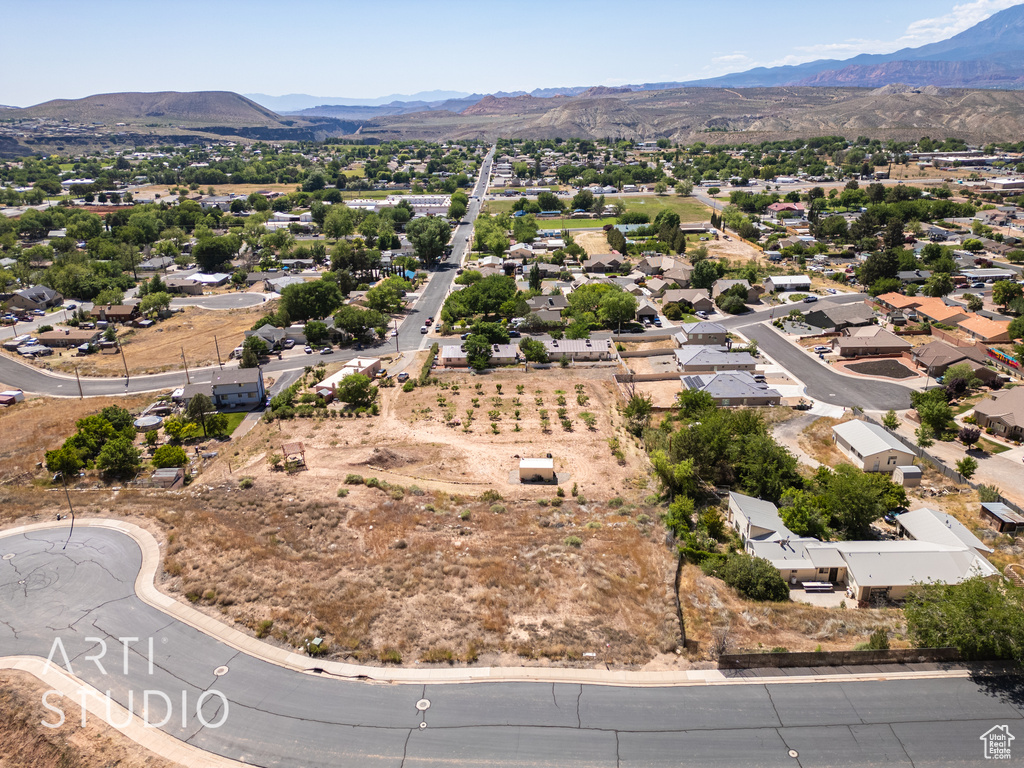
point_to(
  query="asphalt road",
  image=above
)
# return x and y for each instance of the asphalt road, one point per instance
(272, 716)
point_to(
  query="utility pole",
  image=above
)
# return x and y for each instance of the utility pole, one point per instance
(66, 493)
(217, 346)
(188, 379)
(127, 378)
(81, 395)
(397, 351)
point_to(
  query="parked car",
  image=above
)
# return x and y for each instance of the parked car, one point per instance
(822, 348)
(403, 376)
(424, 329)
(393, 333)
(701, 314)
(289, 343)
(326, 351)
(464, 336)
(513, 334)
(657, 321)
(810, 299)
(759, 377)
(430, 320)
(71, 306)
(38, 312)
(307, 349)
(832, 290)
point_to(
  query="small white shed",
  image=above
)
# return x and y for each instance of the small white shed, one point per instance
(536, 470)
(908, 477)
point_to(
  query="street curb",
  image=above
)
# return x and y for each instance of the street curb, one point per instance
(146, 589)
(105, 709)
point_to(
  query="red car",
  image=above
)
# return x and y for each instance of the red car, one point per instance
(430, 321)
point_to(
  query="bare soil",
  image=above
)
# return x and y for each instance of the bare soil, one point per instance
(889, 369)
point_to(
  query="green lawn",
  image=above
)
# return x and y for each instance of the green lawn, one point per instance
(234, 419)
(989, 447)
(688, 208)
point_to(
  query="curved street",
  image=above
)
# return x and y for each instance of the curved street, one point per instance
(274, 716)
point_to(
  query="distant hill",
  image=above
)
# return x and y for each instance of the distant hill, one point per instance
(366, 112)
(298, 102)
(169, 107)
(988, 55)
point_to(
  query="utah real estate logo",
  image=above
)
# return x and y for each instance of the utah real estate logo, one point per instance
(997, 742)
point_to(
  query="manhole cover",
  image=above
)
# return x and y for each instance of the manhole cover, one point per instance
(9, 556)
(220, 671)
(423, 705)
(422, 726)
(794, 753)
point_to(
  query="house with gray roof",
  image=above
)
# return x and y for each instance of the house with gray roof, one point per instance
(709, 359)
(732, 389)
(703, 333)
(870, 447)
(36, 297)
(1003, 413)
(841, 317)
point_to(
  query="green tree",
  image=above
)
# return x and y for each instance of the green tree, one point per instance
(356, 390)
(638, 413)
(385, 297)
(753, 577)
(1006, 291)
(211, 253)
(64, 461)
(577, 329)
(933, 411)
(980, 618)
(314, 300)
(478, 351)
(967, 466)
(315, 332)
(429, 237)
(677, 479)
(974, 303)
(169, 456)
(535, 278)
(890, 420)
(616, 308)
(109, 296)
(705, 273)
(939, 284)
(495, 333)
(153, 302)
(533, 351)
(197, 409)
(119, 457)
(804, 514)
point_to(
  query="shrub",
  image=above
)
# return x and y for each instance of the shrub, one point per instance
(489, 496)
(409, 386)
(169, 456)
(560, 492)
(342, 493)
(573, 541)
(354, 480)
(246, 482)
(390, 655)
(465, 514)
(427, 367)
(498, 509)
(617, 502)
(438, 654)
(263, 628)
(988, 493)
(753, 577)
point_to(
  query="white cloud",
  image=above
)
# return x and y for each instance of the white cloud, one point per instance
(918, 33)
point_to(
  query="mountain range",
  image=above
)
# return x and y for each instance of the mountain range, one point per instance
(988, 55)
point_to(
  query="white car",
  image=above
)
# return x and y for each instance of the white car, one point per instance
(822, 348)
(424, 329)
(393, 334)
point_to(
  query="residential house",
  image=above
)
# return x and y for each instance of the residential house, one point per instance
(898, 302)
(578, 350)
(870, 340)
(780, 283)
(36, 297)
(68, 337)
(732, 389)
(780, 209)
(367, 366)
(927, 524)
(278, 284)
(184, 285)
(603, 263)
(841, 317)
(754, 292)
(230, 388)
(937, 311)
(872, 570)
(452, 356)
(679, 275)
(1003, 413)
(156, 263)
(700, 359)
(558, 302)
(116, 313)
(697, 298)
(704, 333)
(657, 287)
(272, 337)
(914, 276)
(937, 356)
(988, 331)
(644, 308)
(870, 447)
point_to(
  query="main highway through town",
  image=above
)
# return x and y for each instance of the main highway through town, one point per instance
(260, 713)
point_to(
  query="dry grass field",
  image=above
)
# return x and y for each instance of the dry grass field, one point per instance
(158, 349)
(24, 743)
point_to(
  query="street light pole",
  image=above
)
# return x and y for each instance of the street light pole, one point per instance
(217, 346)
(397, 350)
(127, 378)
(188, 379)
(72, 509)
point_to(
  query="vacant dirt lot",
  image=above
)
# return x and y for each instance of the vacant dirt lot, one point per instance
(24, 743)
(593, 243)
(158, 349)
(888, 369)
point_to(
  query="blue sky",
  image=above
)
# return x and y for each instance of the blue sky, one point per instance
(70, 49)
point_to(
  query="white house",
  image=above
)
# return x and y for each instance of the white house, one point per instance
(871, 447)
(779, 283)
